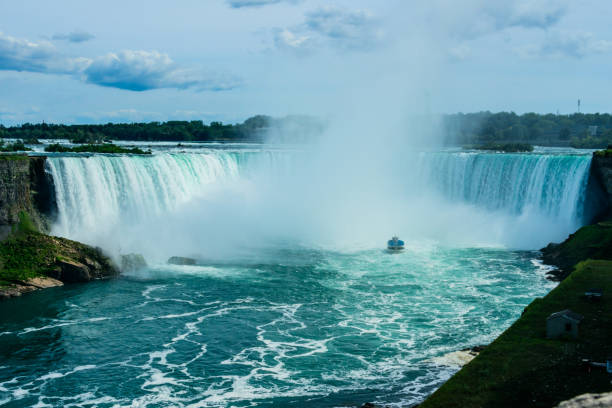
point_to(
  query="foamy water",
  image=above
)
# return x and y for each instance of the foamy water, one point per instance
(313, 328)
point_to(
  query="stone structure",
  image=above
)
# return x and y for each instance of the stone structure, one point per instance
(563, 323)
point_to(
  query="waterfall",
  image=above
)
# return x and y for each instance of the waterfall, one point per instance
(201, 199)
(553, 185)
(108, 190)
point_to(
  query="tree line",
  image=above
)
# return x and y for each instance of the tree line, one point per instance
(251, 129)
(580, 130)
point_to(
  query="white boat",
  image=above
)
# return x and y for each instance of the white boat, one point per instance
(395, 244)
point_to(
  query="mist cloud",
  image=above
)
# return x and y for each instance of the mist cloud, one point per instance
(576, 44)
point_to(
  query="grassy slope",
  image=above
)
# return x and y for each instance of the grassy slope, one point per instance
(27, 253)
(522, 368)
(589, 242)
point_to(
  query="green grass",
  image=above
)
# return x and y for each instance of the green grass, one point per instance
(8, 157)
(604, 153)
(17, 146)
(522, 368)
(26, 255)
(25, 224)
(589, 242)
(94, 148)
(503, 147)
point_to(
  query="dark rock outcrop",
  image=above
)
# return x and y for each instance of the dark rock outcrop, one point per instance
(132, 262)
(72, 271)
(601, 168)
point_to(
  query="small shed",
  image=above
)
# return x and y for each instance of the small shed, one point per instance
(563, 323)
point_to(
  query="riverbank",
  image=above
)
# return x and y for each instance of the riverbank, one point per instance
(522, 368)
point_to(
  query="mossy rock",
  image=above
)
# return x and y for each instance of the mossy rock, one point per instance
(28, 254)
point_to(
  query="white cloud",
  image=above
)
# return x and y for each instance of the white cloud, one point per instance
(131, 70)
(145, 70)
(343, 29)
(22, 55)
(476, 18)
(288, 40)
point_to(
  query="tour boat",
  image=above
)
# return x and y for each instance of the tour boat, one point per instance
(395, 244)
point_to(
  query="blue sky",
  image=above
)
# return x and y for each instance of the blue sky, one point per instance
(75, 61)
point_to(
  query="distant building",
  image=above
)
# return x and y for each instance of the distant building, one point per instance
(563, 323)
(593, 130)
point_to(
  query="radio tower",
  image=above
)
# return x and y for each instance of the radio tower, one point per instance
(578, 105)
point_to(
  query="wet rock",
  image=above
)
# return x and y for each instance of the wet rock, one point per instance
(181, 260)
(132, 262)
(18, 288)
(44, 282)
(73, 271)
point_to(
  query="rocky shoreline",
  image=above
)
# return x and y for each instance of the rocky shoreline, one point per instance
(18, 288)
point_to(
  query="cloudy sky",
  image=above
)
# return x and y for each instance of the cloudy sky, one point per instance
(76, 61)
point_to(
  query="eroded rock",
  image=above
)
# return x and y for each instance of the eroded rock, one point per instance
(588, 401)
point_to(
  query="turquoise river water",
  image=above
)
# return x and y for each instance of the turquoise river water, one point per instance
(298, 315)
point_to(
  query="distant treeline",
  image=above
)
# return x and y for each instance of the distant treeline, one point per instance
(253, 129)
(483, 128)
(581, 130)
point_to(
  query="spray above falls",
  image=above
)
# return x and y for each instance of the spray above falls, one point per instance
(201, 203)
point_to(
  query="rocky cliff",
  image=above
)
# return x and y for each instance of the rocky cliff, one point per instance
(30, 259)
(602, 171)
(24, 187)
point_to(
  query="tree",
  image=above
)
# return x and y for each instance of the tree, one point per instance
(564, 134)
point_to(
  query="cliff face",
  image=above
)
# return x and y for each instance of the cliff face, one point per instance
(23, 188)
(602, 170)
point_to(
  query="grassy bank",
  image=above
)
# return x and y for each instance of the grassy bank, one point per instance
(522, 368)
(95, 148)
(589, 242)
(503, 147)
(28, 254)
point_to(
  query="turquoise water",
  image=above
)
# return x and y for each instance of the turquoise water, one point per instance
(302, 328)
(293, 303)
